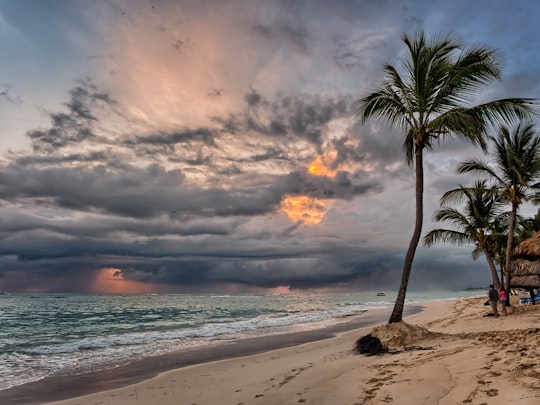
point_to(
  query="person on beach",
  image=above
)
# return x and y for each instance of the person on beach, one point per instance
(502, 298)
(493, 297)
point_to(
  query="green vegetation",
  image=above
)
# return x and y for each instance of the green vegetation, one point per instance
(479, 222)
(427, 99)
(515, 171)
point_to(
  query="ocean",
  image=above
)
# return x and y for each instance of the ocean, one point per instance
(44, 335)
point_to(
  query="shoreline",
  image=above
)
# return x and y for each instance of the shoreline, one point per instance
(460, 355)
(60, 388)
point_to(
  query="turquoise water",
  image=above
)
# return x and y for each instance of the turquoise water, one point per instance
(49, 334)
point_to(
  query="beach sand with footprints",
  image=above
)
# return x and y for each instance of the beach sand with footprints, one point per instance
(452, 353)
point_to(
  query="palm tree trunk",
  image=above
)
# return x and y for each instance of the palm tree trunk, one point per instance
(491, 264)
(397, 313)
(509, 243)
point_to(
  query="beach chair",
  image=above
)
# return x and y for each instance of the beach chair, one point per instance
(528, 300)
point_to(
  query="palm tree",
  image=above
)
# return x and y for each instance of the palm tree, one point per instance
(498, 241)
(477, 222)
(528, 227)
(516, 171)
(428, 101)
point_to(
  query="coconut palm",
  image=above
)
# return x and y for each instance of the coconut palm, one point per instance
(516, 171)
(528, 227)
(498, 241)
(429, 101)
(476, 223)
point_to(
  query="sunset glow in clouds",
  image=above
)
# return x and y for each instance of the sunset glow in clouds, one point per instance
(112, 281)
(200, 146)
(307, 209)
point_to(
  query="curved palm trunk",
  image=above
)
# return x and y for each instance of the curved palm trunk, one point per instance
(509, 243)
(397, 313)
(491, 264)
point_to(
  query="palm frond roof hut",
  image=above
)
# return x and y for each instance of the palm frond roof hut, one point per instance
(525, 266)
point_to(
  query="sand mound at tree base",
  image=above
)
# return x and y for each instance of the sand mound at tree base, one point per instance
(400, 334)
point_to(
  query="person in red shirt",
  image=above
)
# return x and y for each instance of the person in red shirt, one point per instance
(502, 298)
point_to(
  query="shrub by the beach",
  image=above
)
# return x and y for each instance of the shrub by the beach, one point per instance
(369, 345)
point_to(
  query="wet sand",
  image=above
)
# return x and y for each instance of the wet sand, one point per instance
(66, 387)
(449, 354)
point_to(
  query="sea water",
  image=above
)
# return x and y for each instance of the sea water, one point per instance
(43, 335)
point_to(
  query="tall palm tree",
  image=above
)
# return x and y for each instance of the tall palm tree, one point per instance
(476, 223)
(516, 171)
(528, 227)
(428, 100)
(498, 241)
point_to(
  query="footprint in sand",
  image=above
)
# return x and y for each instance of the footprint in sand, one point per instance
(374, 381)
(492, 392)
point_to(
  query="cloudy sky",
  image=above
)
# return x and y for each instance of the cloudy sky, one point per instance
(210, 146)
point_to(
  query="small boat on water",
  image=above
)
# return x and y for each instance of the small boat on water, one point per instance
(381, 294)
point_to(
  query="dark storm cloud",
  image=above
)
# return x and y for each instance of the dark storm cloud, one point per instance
(95, 226)
(322, 187)
(300, 116)
(164, 261)
(81, 98)
(307, 115)
(301, 273)
(93, 156)
(75, 126)
(203, 135)
(270, 153)
(114, 185)
(348, 152)
(384, 144)
(253, 98)
(296, 117)
(142, 193)
(67, 130)
(304, 269)
(151, 186)
(187, 272)
(153, 191)
(155, 226)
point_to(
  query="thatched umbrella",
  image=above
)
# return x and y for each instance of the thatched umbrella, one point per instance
(525, 266)
(529, 248)
(525, 274)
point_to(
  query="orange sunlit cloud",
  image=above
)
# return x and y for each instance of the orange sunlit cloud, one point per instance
(112, 281)
(302, 208)
(307, 209)
(282, 289)
(319, 166)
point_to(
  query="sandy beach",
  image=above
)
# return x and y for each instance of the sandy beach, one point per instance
(451, 353)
